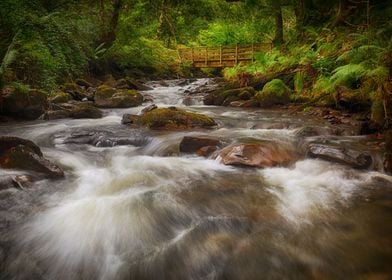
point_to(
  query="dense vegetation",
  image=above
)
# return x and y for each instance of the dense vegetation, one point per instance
(332, 53)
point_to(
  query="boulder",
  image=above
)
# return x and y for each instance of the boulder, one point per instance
(149, 108)
(206, 151)
(24, 103)
(8, 142)
(108, 97)
(225, 97)
(75, 111)
(74, 90)
(340, 155)
(273, 93)
(60, 97)
(169, 118)
(55, 115)
(22, 157)
(137, 85)
(127, 83)
(85, 112)
(260, 154)
(192, 144)
(83, 83)
(23, 154)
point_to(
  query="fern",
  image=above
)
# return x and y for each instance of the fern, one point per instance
(347, 75)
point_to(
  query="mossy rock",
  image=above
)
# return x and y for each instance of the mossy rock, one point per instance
(83, 83)
(377, 112)
(172, 118)
(108, 97)
(221, 96)
(26, 158)
(60, 97)
(71, 87)
(25, 103)
(85, 112)
(273, 93)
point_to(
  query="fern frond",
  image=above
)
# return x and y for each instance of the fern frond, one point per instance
(347, 74)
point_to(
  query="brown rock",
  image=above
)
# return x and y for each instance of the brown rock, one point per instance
(169, 118)
(206, 151)
(191, 144)
(23, 157)
(262, 154)
(8, 142)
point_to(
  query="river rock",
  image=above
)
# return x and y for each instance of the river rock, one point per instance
(23, 154)
(75, 111)
(60, 97)
(105, 139)
(169, 118)
(83, 83)
(192, 144)
(74, 90)
(273, 93)
(24, 103)
(225, 97)
(262, 154)
(83, 111)
(340, 155)
(107, 97)
(149, 108)
(8, 142)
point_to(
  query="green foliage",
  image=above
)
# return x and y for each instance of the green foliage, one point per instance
(143, 53)
(347, 75)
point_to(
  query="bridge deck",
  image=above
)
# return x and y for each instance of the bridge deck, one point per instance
(223, 56)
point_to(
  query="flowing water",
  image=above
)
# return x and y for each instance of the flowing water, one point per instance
(133, 207)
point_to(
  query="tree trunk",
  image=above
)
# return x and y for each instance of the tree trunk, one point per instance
(342, 12)
(277, 10)
(110, 36)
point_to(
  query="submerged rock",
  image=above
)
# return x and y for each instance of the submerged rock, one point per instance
(169, 118)
(192, 144)
(107, 97)
(274, 92)
(261, 154)
(340, 155)
(23, 154)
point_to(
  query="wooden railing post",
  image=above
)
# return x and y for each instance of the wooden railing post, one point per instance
(206, 56)
(220, 55)
(236, 54)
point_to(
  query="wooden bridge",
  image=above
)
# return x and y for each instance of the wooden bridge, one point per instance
(222, 56)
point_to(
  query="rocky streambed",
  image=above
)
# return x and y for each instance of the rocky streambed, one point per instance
(177, 188)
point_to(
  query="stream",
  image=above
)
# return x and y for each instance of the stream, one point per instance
(133, 207)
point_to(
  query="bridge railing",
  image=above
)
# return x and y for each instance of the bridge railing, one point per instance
(223, 55)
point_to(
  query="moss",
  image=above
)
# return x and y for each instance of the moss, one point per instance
(60, 97)
(70, 87)
(274, 92)
(173, 118)
(378, 114)
(104, 91)
(86, 112)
